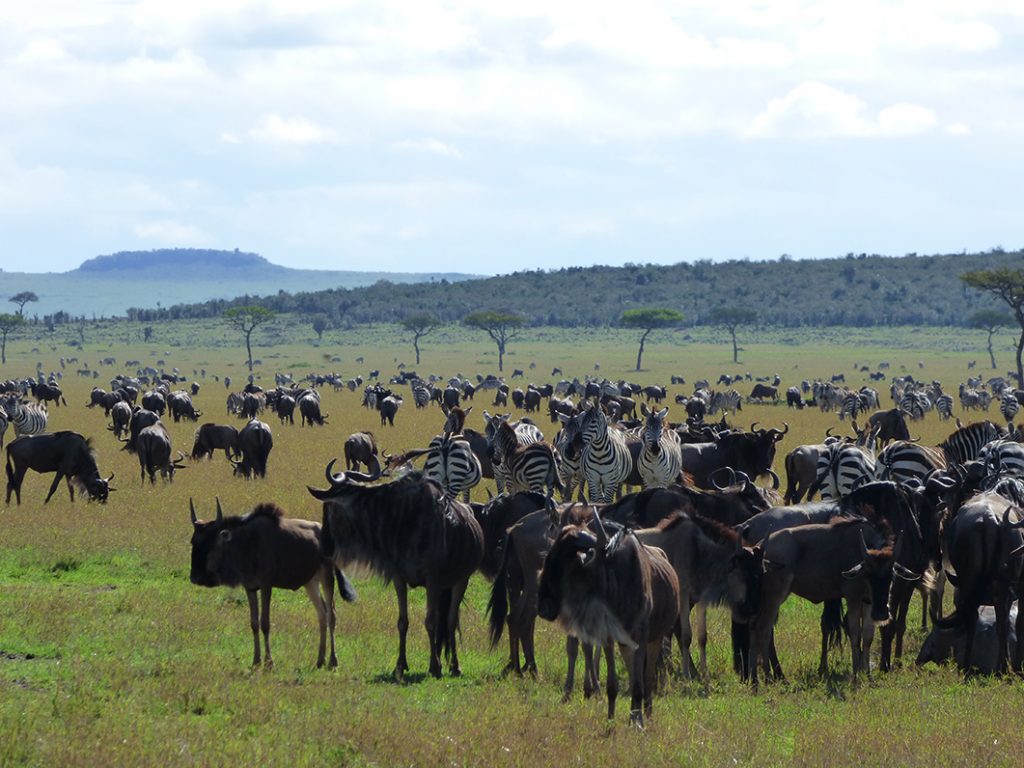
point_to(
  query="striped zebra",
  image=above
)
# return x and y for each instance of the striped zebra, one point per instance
(452, 464)
(916, 404)
(730, 400)
(841, 468)
(661, 459)
(531, 467)
(1008, 405)
(903, 460)
(851, 405)
(606, 462)
(966, 443)
(944, 406)
(1004, 457)
(569, 449)
(420, 394)
(3, 426)
(526, 433)
(26, 418)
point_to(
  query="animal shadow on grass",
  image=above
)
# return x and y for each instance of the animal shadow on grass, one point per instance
(836, 683)
(409, 678)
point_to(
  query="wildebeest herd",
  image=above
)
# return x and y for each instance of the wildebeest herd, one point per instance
(562, 540)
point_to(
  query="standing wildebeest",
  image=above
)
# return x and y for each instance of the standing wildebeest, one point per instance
(309, 409)
(794, 398)
(120, 417)
(762, 391)
(180, 405)
(67, 453)
(286, 408)
(612, 591)
(890, 425)
(263, 550)
(255, 442)
(212, 437)
(44, 392)
(388, 407)
(751, 453)
(802, 468)
(141, 419)
(154, 448)
(405, 532)
(361, 448)
(154, 401)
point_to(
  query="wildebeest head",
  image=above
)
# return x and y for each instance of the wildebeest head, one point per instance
(877, 566)
(576, 549)
(98, 487)
(208, 539)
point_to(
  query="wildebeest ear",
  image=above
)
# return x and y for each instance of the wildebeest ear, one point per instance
(192, 511)
(467, 411)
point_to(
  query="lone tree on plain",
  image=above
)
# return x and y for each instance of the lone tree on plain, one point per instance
(501, 326)
(23, 298)
(649, 319)
(8, 323)
(320, 325)
(731, 318)
(1007, 285)
(990, 320)
(247, 319)
(420, 325)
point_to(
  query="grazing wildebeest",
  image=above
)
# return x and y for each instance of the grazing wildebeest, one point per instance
(309, 410)
(212, 437)
(67, 453)
(154, 448)
(181, 407)
(263, 550)
(606, 591)
(405, 532)
(154, 401)
(120, 417)
(943, 644)
(361, 448)
(255, 442)
(794, 399)
(762, 391)
(141, 418)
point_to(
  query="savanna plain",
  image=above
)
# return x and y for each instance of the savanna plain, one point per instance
(109, 656)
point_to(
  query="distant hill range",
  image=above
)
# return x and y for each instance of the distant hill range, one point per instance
(854, 290)
(109, 285)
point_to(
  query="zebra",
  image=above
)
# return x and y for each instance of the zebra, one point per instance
(851, 406)
(660, 460)
(966, 443)
(531, 467)
(452, 464)
(903, 460)
(27, 418)
(730, 400)
(421, 394)
(1004, 457)
(606, 462)
(841, 468)
(944, 406)
(526, 432)
(916, 404)
(1008, 405)
(569, 452)
(3, 425)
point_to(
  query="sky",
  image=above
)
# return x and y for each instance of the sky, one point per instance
(487, 137)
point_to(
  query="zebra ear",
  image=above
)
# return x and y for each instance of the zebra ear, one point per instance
(663, 412)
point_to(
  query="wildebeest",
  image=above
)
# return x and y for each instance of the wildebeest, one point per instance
(890, 425)
(67, 453)
(141, 419)
(749, 452)
(181, 407)
(388, 408)
(286, 408)
(794, 398)
(47, 392)
(255, 442)
(153, 446)
(943, 644)
(361, 448)
(263, 550)
(612, 590)
(405, 532)
(154, 401)
(211, 437)
(762, 391)
(309, 410)
(120, 417)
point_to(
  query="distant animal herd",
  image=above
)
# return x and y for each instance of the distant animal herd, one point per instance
(560, 539)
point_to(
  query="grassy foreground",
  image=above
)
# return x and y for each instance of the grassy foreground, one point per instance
(108, 656)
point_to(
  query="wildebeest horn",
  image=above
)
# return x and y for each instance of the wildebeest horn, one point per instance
(753, 427)
(863, 545)
(732, 477)
(602, 534)
(110, 478)
(828, 432)
(490, 496)
(775, 479)
(331, 477)
(904, 573)
(192, 510)
(1006, 519)
(220, 512)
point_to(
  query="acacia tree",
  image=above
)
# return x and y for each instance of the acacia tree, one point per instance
(8, 323)
(23, 298)
(320, 324)
(247, 319)
(1008, 286)
(649, 319)
(419, 325)
(731, 318)
(501, 326)
(990, 320)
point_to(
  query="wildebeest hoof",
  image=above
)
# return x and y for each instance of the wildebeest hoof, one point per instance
(333, 664)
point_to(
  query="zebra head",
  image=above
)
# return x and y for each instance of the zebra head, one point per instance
(568, 442)
(654, 428)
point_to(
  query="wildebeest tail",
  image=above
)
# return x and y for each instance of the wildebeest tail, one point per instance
(790, 497)
(497, 606)
(832, 623)
(345, 588)
(442, 638)
(10, 468)
(741, 648)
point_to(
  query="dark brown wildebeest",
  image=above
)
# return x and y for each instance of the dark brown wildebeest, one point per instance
(255, 442)
(845, 558)
(309, 410)
(361, 448)
(751, 453)
(606, 591)
(154, 401)
(141, 418)
(890, 425)
(45, 392)
(180, 405)
(802, 468)
(213, 437)
(763, 391)
(286, 408)
(531, 400)
(388, 407)
(405, 532)
(154, 449)
(943, 644)
(67, 453)
(263, 550)
(120, 417)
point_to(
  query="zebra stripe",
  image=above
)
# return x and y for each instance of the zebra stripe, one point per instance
(3, 426)
(841, 468)
(966, 443)
(452, 464)
(606, 460)
(661, 459)
(532, 467)
(1008, 405)
(903, 460)
(569, 465)
(27, 419)
(526, 433)
(944, 406)
(421, 395)
(1004, 457)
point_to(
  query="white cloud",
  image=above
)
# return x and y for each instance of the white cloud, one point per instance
(288, 130)
(816, 110)
(958, 129)
(427, 145)
(169, 232)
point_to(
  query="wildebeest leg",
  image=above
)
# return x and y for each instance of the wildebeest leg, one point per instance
(402, 593)
(433, 623)
(613, 679)
(854, 623)
(686, 635)
(313, 592)
(254, 624)
(332, 618)
(572, 649)
(1002, 606)
(53, 487)
(265, 593)
(773, 659)
(634, 661)
(650, 676)
(457, 591)
(1018, 651)
(924, 608)
(867, 635)
(702, 638)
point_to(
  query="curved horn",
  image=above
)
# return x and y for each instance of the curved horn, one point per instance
(775, 479)
(192, 510)
(863, 545)
(902, 572)
(753, 426)
(1006, 519)
(220, 512)
(110, 478)
(828, 432)
(602, 534)
(713, 475)
(331, 477)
